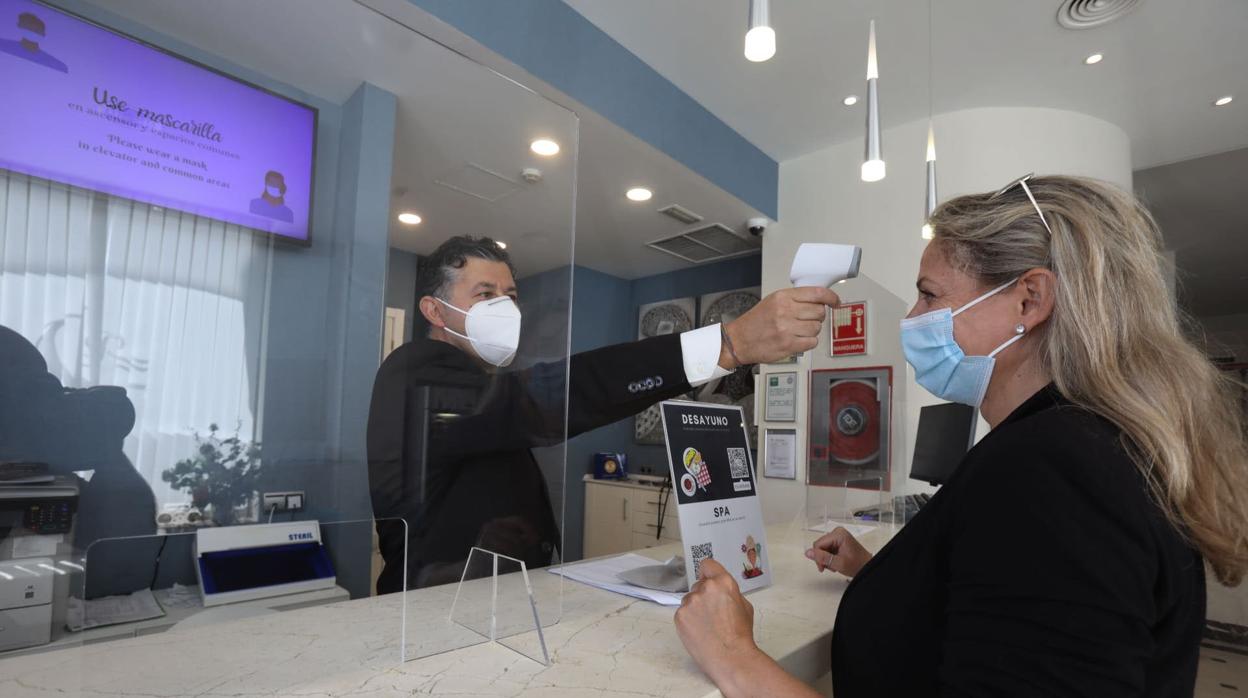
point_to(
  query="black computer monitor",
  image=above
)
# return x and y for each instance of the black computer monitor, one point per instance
(946, 432)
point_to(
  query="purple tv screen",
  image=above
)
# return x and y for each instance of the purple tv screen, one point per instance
(95, 109)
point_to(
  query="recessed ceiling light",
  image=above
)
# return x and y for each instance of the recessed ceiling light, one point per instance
(1094, 59)
(501, 244)
(639, 194)
(1223, 101)
(544, 147)
(850, 100)
(409, 218)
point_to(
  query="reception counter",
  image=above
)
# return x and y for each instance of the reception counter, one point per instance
(604, 645)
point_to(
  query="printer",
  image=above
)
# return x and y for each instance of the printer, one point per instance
(257, 561)
(37, 518)
(36, 514)
(26, 588)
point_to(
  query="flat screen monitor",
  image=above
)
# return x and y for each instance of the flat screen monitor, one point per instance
(946, 432)
(93, 108)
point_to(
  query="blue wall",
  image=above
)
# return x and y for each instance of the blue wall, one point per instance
(604, 312)
(556, 44)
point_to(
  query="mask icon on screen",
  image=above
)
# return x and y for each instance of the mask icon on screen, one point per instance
(272, 200)
(29, 44)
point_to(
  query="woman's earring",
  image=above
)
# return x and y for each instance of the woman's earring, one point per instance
(1019, 329)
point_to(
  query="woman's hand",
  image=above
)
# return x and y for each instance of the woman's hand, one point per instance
(716, 623)
(840, 552)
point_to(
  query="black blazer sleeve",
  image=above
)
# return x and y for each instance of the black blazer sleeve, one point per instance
(618, 381)
(526, 409)
(1051, 576)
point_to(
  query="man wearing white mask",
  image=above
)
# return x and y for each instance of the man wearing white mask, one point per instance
(450, 433)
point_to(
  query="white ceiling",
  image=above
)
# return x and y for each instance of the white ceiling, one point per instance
(1200, 206)
(453, 112)
(1165, 63)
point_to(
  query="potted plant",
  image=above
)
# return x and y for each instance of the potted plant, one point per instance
(223, 474)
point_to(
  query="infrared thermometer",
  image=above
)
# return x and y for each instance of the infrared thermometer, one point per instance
(824, 264)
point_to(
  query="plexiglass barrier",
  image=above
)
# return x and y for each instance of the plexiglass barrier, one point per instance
(466, 441)
(170, 371)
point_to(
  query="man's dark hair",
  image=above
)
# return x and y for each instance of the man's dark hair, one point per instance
(437, 271)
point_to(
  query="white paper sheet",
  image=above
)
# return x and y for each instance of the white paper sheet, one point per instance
(604, 574)
(180, 596)
(111, 610)
(36, 546)
(856, 530)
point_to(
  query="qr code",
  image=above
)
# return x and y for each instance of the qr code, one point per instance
(737, 463)
(701, 551)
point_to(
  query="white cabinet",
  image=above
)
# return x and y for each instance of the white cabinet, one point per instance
(621, 515)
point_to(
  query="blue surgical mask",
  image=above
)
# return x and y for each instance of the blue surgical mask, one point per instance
(275, 192)
(939, 363)
(31, 36)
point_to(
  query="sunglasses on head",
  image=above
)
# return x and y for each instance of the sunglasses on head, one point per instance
(1022, 182)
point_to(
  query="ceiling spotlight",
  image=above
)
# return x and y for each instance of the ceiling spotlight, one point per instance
(926, 231)
(850, 100)
(639, 194)
(1223, 101)
(501, 244)
(544, 147)
(1094, 59)
(409, 218)
(760, 40)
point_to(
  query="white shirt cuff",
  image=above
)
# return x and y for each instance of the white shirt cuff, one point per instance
(700, 350)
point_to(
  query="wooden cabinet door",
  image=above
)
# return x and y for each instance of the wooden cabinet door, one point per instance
(608, 520)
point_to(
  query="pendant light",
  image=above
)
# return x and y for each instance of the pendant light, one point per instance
(931, 181)
(931, 138)
(873, 159)
(760, 39)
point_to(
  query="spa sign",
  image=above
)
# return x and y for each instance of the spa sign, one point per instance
(716, 492)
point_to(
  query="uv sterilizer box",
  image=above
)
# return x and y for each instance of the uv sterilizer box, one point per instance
(244, 563)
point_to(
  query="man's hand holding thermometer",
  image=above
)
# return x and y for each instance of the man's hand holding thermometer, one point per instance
(789, 321)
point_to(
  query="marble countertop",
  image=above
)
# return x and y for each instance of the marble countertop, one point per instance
(603, 645)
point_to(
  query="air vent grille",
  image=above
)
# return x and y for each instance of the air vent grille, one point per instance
(712, 242)
(721, 239)
(1085, 14)
(681, 214)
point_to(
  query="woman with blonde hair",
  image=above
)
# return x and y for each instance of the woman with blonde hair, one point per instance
(1067, 554)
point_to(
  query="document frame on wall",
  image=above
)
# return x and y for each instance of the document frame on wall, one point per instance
(850, 432)
(780, 396)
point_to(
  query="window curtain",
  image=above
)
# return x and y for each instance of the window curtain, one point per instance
(168, 305)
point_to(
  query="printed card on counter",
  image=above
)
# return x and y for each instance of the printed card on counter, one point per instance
(716, 492)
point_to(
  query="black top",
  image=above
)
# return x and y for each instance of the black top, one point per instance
(449, 447)
(1043, 568)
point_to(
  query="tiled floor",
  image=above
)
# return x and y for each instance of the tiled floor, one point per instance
(1221, 674)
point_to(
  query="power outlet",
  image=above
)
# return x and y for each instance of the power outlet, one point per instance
(279, 502)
